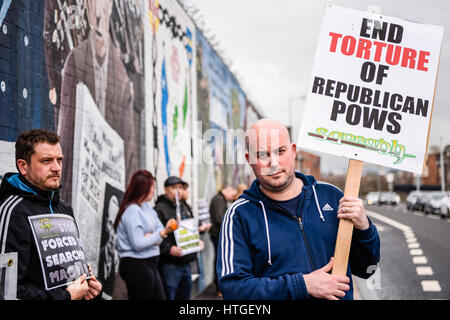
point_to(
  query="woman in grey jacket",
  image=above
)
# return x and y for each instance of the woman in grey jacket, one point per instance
(139, 234)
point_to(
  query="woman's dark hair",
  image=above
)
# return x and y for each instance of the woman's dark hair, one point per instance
(140, 185)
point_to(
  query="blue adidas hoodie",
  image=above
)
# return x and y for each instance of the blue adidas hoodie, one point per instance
(264, 251)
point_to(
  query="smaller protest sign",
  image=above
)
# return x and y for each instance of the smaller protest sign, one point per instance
(187, 236)
(203, 211)
(8, 276)
(59, 246)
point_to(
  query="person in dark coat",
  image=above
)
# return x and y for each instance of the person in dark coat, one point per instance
(35, 191)
(217, 209)
(174, 267)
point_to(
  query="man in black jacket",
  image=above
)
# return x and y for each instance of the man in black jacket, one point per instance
(174, 266)
(35, 191)
(217, 209)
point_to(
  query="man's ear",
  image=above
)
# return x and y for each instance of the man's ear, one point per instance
(294, 149)
(23, 167)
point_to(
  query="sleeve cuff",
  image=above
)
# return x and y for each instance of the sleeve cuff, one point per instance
(299, 286)
(67, 295)
(366, 234)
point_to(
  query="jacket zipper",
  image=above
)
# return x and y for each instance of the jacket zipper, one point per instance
(300, 223)
(306, 244)
(305, 238)
(50, 203)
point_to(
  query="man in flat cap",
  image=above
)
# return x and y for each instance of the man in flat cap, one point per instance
(174, 267)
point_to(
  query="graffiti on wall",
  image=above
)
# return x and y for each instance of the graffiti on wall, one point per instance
(170, 75)
(98, 44)
(221, 106)
(120, 81)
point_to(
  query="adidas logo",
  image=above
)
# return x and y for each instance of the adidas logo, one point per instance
(327, 207)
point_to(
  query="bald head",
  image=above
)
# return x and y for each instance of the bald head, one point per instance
(269, 124)
(265, 131)
(271, 154)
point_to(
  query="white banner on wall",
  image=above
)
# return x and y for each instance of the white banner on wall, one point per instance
(99, 161)
(7, 158)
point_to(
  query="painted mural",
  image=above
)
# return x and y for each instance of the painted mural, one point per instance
(124, 84)
(169, 81)
(221, 107)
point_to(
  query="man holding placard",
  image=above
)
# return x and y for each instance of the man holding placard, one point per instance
(40, 227)
(179, 249)
(277, 240)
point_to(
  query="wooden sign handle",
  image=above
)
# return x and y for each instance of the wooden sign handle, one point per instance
(345, 231)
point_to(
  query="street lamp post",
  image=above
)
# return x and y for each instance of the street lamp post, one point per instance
(442, 166)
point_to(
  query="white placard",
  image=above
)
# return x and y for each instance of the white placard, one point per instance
(372, 89)
(187, 236)
(8, 275)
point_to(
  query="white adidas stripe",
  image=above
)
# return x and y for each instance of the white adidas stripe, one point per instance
(227, 237)
(224, 242)
(4, 223)
(4, 208)
(326, 183)
(231, 268)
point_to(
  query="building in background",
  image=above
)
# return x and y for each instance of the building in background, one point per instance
(308, 163)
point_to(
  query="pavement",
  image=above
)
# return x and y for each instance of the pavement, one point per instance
(208, 294)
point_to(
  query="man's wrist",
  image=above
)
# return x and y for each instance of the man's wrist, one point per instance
(68, 294)
(364, 226)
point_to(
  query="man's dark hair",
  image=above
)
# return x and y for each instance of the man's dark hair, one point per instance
(27, 140)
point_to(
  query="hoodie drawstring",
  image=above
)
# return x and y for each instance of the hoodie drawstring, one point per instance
(317, 204)
(267, 232)
(267, 224)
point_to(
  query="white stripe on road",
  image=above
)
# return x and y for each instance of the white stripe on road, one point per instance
(424, 271)
(413, 245)
(431, 286)
(389, 221)
(380, 228)
(409, 234)
(420, 260)
(416, 252)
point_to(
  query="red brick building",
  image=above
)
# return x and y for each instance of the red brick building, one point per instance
(308, 163)
(432, 174)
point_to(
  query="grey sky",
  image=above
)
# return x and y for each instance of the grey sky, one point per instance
(271, 45)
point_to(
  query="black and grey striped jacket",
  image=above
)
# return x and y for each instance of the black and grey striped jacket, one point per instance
(18, 200)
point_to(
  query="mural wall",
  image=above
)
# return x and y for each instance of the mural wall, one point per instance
(124, 83)
(221, 107)
(170, 65)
